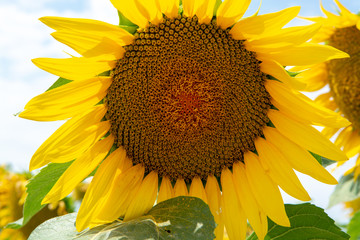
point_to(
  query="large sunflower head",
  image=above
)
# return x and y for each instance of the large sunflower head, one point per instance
(193, 100)
(342, 76)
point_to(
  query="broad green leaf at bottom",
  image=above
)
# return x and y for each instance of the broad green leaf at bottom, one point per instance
(307, 222)
(177, 218)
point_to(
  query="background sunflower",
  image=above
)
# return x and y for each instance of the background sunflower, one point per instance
(341, 77)
(12, 197)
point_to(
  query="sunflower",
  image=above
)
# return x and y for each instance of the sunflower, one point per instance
(195, 100)
(12, 198)
(342, 76)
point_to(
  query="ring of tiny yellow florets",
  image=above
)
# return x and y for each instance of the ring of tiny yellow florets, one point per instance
(187, 99)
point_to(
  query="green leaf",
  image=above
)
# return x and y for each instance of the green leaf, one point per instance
(59, 228)
(126, 24)
(190, 218)
(177, 218)
(292, 74)
(346, 190)
(307, 222)
(15, 225)
(61, 81)
(39, 186)
(141, 228)
(353, 228)
(322, 160)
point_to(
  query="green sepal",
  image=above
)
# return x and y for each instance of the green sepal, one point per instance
(322, 160)
(60, 82)
(347, 189)
(216, 7)
(176, 218)
(307, 222)
(126, 24)
(39, 186)
(292, 74)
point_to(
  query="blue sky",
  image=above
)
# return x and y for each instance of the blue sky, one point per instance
(23, 37)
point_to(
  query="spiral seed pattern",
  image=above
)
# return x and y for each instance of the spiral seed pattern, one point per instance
(344, 74)
(187, 99)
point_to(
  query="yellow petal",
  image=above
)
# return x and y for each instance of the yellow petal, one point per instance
(189, 7)
(66, 101)
(197, 189)
(180, 188)
(305, 136)
(343, 136)
(78, 42)
(331, 17)
(88, 27)
(84, 41)
(305, 54)
(75, 145)
(234, 216)
(67, 149)
(277, 71)
(79, 170)
(303, 108)
(73, 68)
(144, 198)
(108, 171)
(315, 78)
(231, 11)
(257, 218)
(120, 196)
(322, 99)
(283, 38)
(266, 193)
(349, 139)
(352, 146)
(328, 132)
(131, 11)
(150, 9)
(298, 158)
(258, 10)
(213, 195)
(107, 49)
(70, 129)
(203, 9)
(345, 12)
(280, 170)
(169, 7)
(263, 25)
(166, 190)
